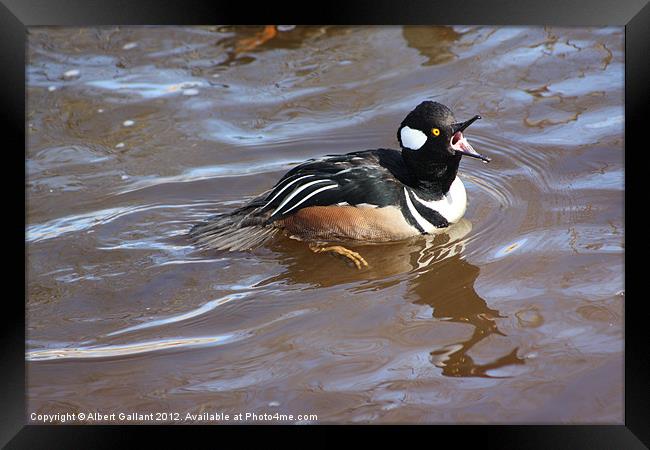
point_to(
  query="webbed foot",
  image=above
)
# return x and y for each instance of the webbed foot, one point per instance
(353, 256)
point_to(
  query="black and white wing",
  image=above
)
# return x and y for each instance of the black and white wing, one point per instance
(351, 179)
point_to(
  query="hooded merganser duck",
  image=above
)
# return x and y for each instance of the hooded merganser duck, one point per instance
(372, 195)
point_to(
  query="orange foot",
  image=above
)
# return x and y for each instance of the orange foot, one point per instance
(244, 45)
(356, 258)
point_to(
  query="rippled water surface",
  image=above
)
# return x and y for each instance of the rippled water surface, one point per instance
(136, 134)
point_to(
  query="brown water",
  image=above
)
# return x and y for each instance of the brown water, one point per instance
(135, 134)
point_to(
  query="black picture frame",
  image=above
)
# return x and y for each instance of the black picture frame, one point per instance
(17, 15)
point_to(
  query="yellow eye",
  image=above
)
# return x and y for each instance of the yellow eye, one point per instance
(435, 131)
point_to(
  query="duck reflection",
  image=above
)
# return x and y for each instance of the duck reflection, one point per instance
(439, 277)
(456, 300)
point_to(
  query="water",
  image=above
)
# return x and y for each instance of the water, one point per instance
(135, 134)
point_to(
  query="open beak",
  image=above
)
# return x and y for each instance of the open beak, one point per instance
(459, 142)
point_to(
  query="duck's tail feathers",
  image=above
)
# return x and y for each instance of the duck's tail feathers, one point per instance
(232, 232)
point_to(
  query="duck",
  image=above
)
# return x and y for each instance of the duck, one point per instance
(368, 196)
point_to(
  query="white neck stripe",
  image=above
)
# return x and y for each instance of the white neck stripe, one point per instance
(446, 198)
(424, 223)
(452, 205)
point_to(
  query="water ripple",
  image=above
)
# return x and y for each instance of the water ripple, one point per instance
(131, 348)
(203, 309)
(121, 350)
(79, 222)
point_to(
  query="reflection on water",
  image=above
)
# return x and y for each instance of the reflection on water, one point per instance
(432, 42)
(135, 134)
(466, 308)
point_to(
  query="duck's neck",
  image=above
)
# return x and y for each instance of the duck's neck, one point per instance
(432, 177)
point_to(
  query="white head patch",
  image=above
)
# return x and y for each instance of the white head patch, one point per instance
(413, 139)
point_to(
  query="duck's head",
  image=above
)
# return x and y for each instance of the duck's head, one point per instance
(430, 134)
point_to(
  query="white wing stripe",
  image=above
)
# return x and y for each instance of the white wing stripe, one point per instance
(296, 192)
(424, 223)
(331, 186)
(282, 190)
